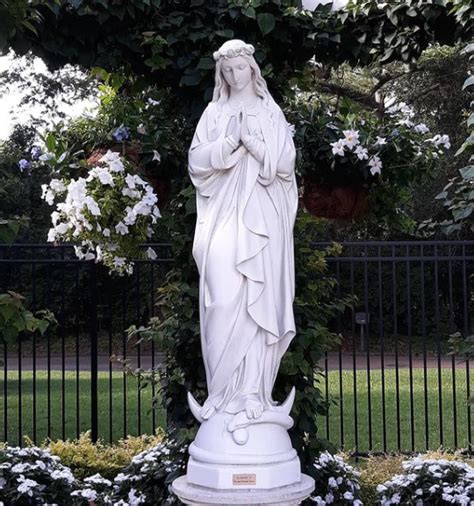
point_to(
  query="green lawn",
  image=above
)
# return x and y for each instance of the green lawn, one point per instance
(349, 418)
(117, 415)
(104, 414)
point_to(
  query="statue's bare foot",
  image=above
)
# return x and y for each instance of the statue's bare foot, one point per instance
(207, 410)
(253, 408)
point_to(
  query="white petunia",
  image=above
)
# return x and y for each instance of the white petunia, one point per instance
(156, 156)
(121, 228)
(106, 232)
(348, 495)
(421, 128)
(141, 129)
(380, 141)
(130, 180)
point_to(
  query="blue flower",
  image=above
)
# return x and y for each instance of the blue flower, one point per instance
(35, 152)
(394, 134)
(121, 133)
(24, 164)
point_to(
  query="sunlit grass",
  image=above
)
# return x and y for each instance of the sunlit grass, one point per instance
(398, 434)
(124, 422)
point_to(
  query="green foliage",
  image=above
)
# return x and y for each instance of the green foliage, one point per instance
(86, 458)
(401, 30)
(15, 318)
(171, 42)
(23, 215)
(458, 195)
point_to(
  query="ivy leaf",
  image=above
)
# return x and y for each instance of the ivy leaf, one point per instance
(467, 172)
(462, 214)
(266, 22)
(205, 64)
(249, 12)
(227, 34)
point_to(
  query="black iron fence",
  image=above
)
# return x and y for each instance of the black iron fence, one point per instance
(392, 382)
(397, 387)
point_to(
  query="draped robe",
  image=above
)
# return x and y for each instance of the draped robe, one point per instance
(244, 244)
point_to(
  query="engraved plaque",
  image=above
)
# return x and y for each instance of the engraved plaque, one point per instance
(244, 479)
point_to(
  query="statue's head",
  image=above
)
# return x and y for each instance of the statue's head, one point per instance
(235, 67)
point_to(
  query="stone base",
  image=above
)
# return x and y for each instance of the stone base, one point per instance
(227, 477)
(290, 495)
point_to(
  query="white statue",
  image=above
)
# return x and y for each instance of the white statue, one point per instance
(241, 162)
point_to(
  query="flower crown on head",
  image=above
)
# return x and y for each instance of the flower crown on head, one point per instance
(232, 52)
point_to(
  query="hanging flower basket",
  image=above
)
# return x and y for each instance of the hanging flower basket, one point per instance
(342, 203)
(131, 151)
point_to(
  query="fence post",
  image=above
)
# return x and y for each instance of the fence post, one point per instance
(93, 340)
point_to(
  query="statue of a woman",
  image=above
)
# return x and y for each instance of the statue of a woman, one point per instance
(241, 162)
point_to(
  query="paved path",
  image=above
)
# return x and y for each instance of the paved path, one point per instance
(333, 362)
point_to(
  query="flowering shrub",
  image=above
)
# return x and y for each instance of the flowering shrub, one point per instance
(33, 476)
(148, 477)
(336, 481)
(145, 481)
(430, 481)
(109, 214)
(348, 146)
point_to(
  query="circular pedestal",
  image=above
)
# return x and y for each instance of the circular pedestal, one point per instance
(291, 495)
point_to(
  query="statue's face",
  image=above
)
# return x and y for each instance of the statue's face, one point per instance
(237, 72)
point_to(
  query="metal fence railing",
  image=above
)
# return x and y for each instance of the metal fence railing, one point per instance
(394, 385)
(397, 387)
(63, 383)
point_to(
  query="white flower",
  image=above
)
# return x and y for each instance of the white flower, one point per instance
(292, 129)
(62, 228)
(329, 498)
(348, 495)
(112, 159)
(57, 186)
(119, 261)
(26, 486)
(89, 494)
(396, 498)
(106, 232)
(362, 153)
(19, 468)
(338, 147)
(151, 253)
(133, 194)
(156, 156)
(92, 206)
(375, 165)
(134, 499)
(351, 138)
(102, 174)
(421, 128)
(98, 479)
(130, 180)
(141, 129)
(151, 101)
(332, 482)
(380, 141)
(121, 228)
